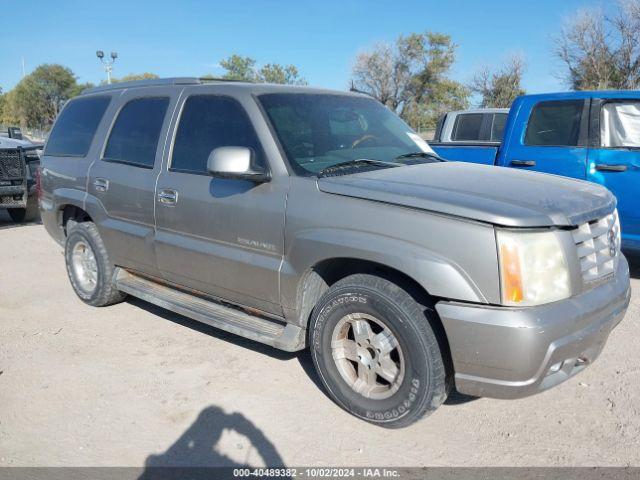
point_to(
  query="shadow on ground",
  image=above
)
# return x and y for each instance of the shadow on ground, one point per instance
(6, 222)
(634, 264)
(199, 446)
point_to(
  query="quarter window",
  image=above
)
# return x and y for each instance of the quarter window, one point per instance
(74, 131)
(208, 122)
(555, 123)
(134, 136)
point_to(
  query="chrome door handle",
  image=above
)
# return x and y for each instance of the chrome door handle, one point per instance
(603, 167)
(101, 184)
(167, 196)
(523, 163)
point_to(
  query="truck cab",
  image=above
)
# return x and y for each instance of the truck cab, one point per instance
(591, 135)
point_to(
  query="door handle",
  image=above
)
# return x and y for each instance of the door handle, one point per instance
(167, 196)
(101, 184)
(603, 167)
(523, 163)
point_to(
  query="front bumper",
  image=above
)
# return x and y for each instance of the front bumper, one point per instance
(504, 352)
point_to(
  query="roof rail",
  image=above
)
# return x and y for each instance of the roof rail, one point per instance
(156, 82)
(145, 83)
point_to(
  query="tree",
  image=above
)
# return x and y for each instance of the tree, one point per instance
(38, 97)
(135, 76)
(600, 51)
(410, 76)
(499, 88)
(244, 69)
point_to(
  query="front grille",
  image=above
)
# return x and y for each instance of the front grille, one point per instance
(598, 246)
(11, 164)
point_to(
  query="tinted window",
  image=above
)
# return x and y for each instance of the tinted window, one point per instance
(555, 123)
(497, 127)
(467, 127)
(74, 130)
(208, 122)
(134, 136)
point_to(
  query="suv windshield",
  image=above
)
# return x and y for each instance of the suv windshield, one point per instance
(318, 131)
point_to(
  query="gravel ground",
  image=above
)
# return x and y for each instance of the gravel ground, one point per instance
(133, 385)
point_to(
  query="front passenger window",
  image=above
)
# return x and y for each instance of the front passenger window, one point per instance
(208, 122)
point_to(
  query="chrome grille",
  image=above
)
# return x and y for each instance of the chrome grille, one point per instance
(598, 245)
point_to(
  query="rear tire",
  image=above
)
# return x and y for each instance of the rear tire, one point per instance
(363, 374)
(27, 214)
(88, 266)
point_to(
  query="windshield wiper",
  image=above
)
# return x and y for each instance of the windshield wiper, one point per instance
(419, 155)
(339, 167)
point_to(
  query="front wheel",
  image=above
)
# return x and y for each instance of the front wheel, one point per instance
(376, 352)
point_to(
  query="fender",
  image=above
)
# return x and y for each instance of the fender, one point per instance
(439, 276)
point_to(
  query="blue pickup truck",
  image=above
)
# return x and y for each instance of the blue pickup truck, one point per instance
(593, 136)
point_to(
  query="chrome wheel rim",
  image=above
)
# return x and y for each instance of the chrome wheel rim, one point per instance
(85, 267)
(367, 355)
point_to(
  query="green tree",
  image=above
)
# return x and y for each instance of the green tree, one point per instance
(410, 76)
(134, 76)
(38, 97)
(499, 88)
(244, 69)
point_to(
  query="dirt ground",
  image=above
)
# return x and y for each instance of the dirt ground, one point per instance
(133, 385)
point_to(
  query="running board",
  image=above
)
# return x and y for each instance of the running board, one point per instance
(286, 337)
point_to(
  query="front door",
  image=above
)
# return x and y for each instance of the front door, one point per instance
(554, 140)
(222, 237)
(614, 159)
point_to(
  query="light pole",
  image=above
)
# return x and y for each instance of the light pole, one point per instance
(108, 64)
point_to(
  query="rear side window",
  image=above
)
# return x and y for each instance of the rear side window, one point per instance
(497, 127)
(620, 124)
(555, 123)
(76, 127)
(208, 122)
(467, 127)
(134, 136)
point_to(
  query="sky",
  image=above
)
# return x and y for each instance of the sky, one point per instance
(322, 38)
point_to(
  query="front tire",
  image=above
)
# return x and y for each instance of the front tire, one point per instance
(88, 266)
(375, 350)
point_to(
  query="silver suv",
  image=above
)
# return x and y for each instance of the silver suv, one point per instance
(306, 218)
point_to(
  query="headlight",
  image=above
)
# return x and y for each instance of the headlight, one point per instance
(533, 268)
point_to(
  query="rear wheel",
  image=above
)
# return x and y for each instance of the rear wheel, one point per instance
(88, 266)
(376, 352)
(27, 214)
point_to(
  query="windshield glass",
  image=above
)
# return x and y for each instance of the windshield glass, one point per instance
(318, 131)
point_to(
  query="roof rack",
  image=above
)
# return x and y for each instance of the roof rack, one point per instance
(158, 82)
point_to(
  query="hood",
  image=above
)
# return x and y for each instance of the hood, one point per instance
(6, 142)
(497, 195)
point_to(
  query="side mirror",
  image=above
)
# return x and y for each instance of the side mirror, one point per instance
(234, 162)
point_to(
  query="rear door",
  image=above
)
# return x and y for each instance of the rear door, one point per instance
(222, 237)
(614, 159)
(122, 179)
(553, 139)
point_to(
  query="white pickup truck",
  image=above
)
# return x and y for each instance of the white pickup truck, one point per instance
(479, 125)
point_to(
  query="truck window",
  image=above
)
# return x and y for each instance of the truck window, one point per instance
(467, 127)
(134, 136)
(555, 123)
(74, 131)
(620, 124)
(497, 126)
(208, 122)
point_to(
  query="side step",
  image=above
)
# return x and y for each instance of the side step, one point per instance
(287, 337)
